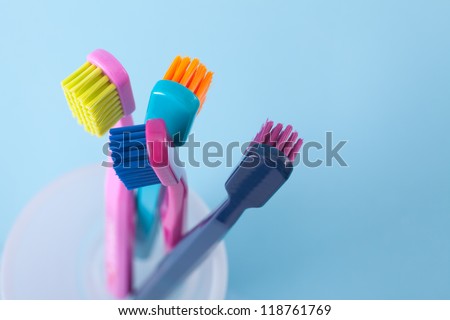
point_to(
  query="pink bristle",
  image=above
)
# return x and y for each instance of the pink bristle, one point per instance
(258, 138)
(274, 134)
(295, 150)
(283, 137)
(290, 143)
(266, 131)
(285, 140)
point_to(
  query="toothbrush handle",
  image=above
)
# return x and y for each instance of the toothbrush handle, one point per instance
(190, 252)
(119, 234)
(162, 159)
(172, 211)
(119, 230)
(125, 121)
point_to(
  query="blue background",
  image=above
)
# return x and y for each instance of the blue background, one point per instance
(375, 73)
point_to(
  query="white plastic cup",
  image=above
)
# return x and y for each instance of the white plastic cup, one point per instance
(56, 249)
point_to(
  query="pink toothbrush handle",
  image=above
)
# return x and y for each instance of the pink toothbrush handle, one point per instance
(172, 213)
(161, 157)
(119, 232)
(126, 121)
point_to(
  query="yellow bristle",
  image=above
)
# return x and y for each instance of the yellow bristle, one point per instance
(93, 99)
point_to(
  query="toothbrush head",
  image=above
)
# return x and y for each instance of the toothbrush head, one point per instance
(285, 141)
(130, 159)
(178, 98)
(99, 93)
(191, 74)
(266, 166)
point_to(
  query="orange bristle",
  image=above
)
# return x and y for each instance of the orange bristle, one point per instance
(181, 69)
(173, 67)
(203, 88)
(198, 76)
(191, 74)
(204, 85)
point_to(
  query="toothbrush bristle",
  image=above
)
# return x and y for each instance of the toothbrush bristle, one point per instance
(283, 139)
(173, 67)
(130, 160)
(203, 88)
(93, 99)
(197, 78)
(191, 74)
(181, 70)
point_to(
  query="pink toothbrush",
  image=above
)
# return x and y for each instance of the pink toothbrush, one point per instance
(173, 177)
(100, 97)
(120, 206)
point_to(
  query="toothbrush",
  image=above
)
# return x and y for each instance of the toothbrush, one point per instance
(180, 96)
(266, 166)
(173, 177)
(99, 95)
(141, 157)
(176, 99)
(120, 209)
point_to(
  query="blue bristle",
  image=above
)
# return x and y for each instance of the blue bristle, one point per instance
(130, 159)
(121, 130)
